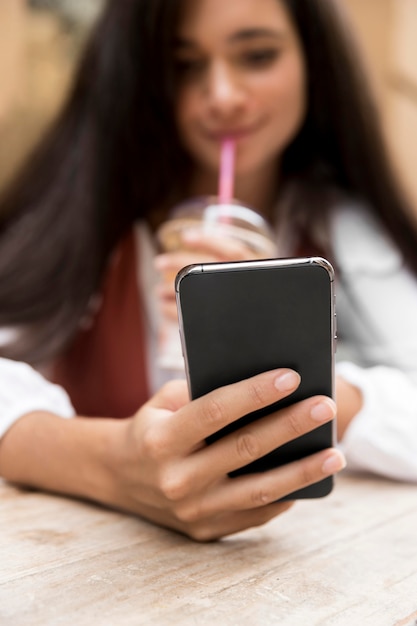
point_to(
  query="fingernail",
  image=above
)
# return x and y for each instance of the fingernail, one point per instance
(191, 235)
(160, 262)
(287, 381)
(334, 463)
(323, 411)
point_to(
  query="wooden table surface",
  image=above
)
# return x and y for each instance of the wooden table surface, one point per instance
(349, 559)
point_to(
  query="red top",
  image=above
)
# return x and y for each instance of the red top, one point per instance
(104, 370)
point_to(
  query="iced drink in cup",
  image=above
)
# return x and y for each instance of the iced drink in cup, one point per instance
(211, 218)
(218, 221)
(218, 217)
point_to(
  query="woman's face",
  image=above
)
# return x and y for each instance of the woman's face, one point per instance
(241, 74)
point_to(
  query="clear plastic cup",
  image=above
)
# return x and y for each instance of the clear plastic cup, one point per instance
(216, 219)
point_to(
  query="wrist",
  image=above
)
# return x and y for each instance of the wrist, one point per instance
(71, 456)
(112, 459)
(349, 402)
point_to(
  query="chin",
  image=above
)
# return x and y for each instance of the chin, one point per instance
(249, 167)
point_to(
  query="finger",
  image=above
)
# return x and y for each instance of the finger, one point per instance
(200, 248)
(165, 291)
(169, 311)
(258, 490)
(216, 244)
(172, 397)
(209, 529)
(170, 264)
(166, 302)
(259, 438)
(208, 414)
(228, 523)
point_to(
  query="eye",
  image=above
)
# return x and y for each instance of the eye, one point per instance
(261, 57)
(189, 68)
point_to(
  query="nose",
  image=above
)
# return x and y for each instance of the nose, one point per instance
(224, 90)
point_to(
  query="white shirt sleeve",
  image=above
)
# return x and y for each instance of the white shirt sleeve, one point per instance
(377, 312)
(382, 438)
(23, 390)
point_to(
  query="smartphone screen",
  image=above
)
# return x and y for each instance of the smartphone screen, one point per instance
(240, 319)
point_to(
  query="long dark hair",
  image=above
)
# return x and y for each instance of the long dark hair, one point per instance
(114, 155)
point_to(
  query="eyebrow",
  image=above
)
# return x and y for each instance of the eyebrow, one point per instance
(246, 34)
(252, 33)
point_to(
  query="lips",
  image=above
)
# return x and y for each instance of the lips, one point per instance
(229, 133)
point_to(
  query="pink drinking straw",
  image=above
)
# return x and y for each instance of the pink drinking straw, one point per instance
(227, 171)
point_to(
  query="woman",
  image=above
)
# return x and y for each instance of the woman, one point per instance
(160, 85)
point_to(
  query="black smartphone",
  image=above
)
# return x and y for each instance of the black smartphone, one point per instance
(239, 319)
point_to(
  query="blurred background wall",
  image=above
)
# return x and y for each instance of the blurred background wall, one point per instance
(40, 43)
(387, 31)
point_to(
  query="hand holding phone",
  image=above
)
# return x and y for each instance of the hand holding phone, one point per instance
(240, 319)
(171, 477)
